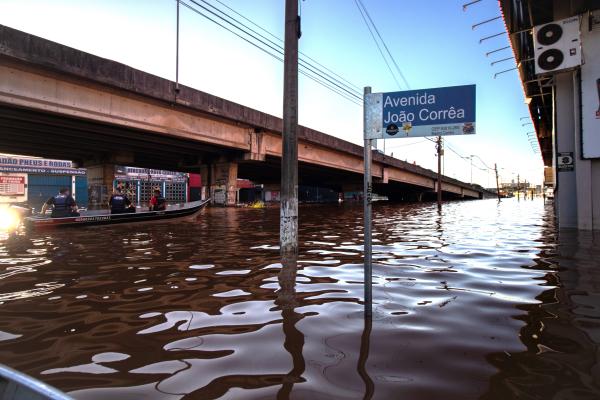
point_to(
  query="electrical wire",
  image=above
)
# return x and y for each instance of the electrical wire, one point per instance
(405, 145)
(313, 70)
(281, 40)
(273, 49)
(385, 45)
(377, 43)
(483, 162)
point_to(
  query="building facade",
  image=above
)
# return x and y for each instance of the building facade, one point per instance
(556, 44)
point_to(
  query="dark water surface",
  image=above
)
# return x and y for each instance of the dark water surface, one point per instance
(481, 301)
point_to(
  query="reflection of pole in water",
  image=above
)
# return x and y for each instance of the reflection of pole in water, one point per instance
(365, 341)
(293, 337)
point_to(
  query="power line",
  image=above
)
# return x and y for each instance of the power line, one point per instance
(273, 49)
(405, 145)
(277, 47)
(385, 45)
(281, 40)
(483, 162)
(376, 43)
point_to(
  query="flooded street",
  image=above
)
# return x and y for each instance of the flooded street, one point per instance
(484, 300)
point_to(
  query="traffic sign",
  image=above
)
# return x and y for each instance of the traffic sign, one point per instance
(416, 113)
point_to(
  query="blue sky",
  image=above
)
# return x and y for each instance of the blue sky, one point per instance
(432, 41)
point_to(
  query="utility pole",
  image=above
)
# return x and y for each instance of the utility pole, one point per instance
(471, 158)
(177, 53)
(440, 151)
(497, 183)
(518, 186)
(288, 223)
(367, 205)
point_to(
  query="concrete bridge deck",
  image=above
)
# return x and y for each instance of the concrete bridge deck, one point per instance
(56, 101)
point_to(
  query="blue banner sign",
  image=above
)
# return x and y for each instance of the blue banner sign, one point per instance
(417, 113)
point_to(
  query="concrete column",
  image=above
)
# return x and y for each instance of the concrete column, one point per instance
(100, 181)
(583, 168)
(577, 200)
(564, 131)
(204, 179)
(223, 183)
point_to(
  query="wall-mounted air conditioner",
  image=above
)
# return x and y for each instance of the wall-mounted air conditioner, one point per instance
(557, 46)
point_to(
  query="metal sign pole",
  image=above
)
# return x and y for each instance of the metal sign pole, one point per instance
(439, 172)
(367, 192)
(411, 113)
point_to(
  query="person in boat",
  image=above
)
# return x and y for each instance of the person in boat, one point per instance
(158, 202)
(63, 205)
(119, 203)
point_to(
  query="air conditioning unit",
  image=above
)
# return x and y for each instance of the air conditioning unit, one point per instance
(557, 46)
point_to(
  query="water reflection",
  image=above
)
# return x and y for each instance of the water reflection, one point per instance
(365, 344)
(562, 333)
(478, 300)
(293, 337)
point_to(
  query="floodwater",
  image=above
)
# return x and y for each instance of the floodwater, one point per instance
(482, 300)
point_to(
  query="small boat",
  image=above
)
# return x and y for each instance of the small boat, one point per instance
(15, 385)
(183, 211)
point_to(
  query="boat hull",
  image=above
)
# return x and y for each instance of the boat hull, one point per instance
(109, 219)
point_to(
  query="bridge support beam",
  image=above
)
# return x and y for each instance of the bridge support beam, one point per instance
(257, 147)
(222, 182)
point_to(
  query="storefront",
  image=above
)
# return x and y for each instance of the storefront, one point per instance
(31, 181)
(139, 183)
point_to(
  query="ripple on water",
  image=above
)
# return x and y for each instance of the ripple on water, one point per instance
(481, 300)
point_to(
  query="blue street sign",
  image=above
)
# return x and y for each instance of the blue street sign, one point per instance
(425, 112)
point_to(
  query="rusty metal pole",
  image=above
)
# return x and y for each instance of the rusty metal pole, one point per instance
(288, 227)
(497, 183)
(439, 171)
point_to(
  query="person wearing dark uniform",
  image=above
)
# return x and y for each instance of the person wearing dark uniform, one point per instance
(119, 203)
(158, 202)
(63, 205)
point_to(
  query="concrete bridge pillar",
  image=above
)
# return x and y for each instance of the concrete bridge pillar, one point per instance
(101, 175)
(100, 182)
(222, 182)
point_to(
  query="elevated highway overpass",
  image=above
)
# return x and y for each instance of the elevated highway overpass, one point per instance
(59, 102)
